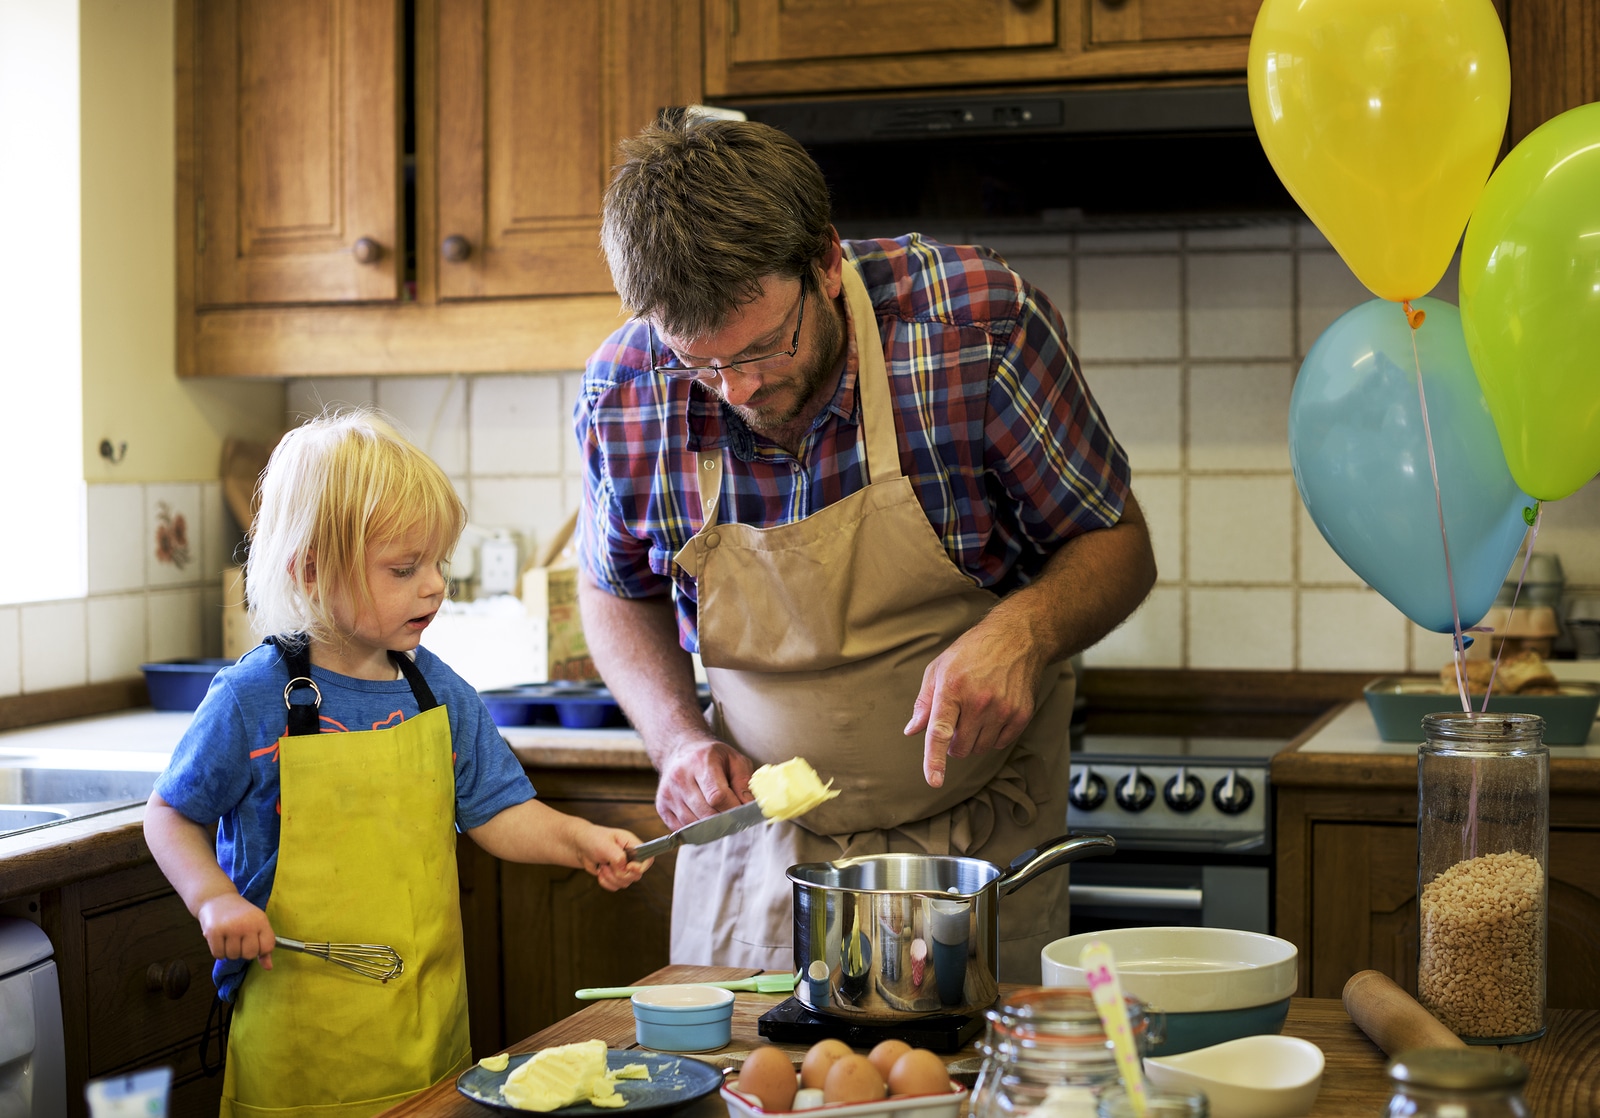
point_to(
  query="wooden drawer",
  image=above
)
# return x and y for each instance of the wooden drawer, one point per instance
(129, 950)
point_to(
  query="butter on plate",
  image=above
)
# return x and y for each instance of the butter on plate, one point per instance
(789, 790)
(563, 1075)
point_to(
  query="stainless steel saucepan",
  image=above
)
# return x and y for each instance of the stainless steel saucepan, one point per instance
(889, 937)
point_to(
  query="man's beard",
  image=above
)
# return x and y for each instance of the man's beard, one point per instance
(811, 376)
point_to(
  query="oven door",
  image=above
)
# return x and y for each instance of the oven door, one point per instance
(1203, 894)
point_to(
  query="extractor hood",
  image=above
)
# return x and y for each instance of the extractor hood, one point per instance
(1068, 156)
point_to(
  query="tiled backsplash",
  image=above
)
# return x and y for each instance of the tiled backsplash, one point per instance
(1190, 339)
(156, 555)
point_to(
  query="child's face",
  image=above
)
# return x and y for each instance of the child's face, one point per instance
(407, 589)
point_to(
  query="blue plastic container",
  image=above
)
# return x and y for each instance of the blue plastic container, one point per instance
(683, 1018)
(180, 684)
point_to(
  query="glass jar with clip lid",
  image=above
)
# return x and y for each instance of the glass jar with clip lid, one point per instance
(1046, 1054)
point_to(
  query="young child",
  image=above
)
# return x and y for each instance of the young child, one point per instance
(342, 827)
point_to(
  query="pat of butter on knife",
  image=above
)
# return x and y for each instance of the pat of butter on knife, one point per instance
(790, 789)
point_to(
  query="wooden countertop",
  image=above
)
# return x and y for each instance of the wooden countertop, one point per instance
(1564, 1065)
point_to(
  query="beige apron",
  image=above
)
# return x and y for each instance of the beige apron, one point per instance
(815, 635)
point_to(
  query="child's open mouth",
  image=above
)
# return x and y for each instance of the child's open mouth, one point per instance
(419, 622)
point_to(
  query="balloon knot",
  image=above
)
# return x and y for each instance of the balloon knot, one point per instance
(1530, 513)
(1414, 315)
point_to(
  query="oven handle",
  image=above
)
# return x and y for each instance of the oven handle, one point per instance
(1134, 896)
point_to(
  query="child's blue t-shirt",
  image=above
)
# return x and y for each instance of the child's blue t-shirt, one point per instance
(225, 770)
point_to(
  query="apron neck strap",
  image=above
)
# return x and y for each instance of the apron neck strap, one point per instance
(882, 446)
(303, 717)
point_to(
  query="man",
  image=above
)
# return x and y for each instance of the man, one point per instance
(866, 482)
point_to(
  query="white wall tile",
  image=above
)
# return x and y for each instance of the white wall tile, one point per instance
(1308, 235)
(534, 508)
(571, 387)
(211, 619)
(1239, 529)
(54, 645)
(1570, 527)
(517, 425)
(1265, 234)
(1151, 638)
(1319, 563)
(117, 626)
(1161, 500)
(432, 411)
(1147, 240)
(1327, 289)
(1051, 275)
(1241, 629)
(1430, 651)
(1016, 249)
(1141, 404)
(218, 534)
(1239, 416)
(10, 650)
(1128, 308)
(116, 538)
(174, 531)
(1350, 631)
(571, 493)
(308, 397)
(1241, 304)
(173, 624)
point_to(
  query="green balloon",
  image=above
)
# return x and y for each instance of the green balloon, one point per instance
(1530, 303)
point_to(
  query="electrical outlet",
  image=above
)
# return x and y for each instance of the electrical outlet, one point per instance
(497, 565)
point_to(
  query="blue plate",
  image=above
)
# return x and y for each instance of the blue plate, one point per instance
(674, 1080)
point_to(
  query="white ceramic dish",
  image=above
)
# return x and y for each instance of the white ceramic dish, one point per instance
(906, 1106)
(1252, 1077)
(1185, 970)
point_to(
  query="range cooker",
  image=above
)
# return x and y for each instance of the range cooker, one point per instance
(1192, 817)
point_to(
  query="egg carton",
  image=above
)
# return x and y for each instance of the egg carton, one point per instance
(905, 1106)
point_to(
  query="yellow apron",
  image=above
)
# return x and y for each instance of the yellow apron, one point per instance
(815, 635)
(366, 854)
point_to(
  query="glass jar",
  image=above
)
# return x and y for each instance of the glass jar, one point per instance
(1047, 1054)
(1457, 1083)
(1115, 1103)
(1483, 837)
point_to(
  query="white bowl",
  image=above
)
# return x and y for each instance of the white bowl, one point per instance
(1185, 970)
(1252, 1077)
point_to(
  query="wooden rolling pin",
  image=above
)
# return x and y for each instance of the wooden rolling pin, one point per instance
(1391, 1017)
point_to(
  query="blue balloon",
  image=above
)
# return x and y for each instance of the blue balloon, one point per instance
(1361, 462)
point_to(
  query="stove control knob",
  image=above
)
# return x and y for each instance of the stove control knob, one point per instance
(1087, 792)
(1184, 792)
(1233, 794)
(1135, 792)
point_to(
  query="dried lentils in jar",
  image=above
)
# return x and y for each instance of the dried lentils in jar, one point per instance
(1481, 969)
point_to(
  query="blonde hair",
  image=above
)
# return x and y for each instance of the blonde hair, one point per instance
(335, 488)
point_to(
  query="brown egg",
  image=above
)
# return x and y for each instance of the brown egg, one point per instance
(919, 1072)
(885, 1054)
(769, 1076)
(852, 1079)
(814, 1068)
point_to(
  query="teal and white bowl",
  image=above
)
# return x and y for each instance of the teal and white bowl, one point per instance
(683, 1018)
(1210, 984)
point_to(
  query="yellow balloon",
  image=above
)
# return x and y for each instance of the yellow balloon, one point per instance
(1383, 119)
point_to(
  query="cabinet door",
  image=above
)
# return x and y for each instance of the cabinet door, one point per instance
(1152, 21)
(533, 96)
(298, 194)
(561, 932)
(789, 30)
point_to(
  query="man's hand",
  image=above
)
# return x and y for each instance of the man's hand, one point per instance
(978, 694)
(236, 929)
(700, 779)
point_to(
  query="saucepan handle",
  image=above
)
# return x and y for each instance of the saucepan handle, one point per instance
(1057, 852)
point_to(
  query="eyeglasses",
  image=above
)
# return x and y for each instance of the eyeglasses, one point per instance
(702, 372)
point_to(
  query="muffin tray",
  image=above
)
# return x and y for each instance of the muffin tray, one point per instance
(577, 706)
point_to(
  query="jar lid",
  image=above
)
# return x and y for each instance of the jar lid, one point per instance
(1045, 1015)
(1494, 729)
(1460, 1069)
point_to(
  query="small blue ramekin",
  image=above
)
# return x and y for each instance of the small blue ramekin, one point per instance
(683, 1018)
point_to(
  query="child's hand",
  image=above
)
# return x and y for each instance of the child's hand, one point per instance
(236, 929)
(605, 854)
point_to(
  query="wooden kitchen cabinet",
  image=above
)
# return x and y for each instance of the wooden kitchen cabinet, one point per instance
(294, 218)
(1346, 891)
(759, 47)
(135, 979)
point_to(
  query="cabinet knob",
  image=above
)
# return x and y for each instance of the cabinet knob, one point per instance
(456, 248)
(367, 251)
(171, 980)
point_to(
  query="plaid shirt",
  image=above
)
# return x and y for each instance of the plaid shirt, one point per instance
(1003, 445)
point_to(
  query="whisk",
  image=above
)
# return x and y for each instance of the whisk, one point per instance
(370, 960)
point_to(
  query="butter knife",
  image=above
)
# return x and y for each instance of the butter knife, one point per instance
(709, 829)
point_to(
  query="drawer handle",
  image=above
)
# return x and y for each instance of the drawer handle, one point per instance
(171, 980)
(456, 248)
(367, 251)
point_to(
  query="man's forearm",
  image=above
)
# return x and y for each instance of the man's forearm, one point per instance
(1086, 589)
(634, 642)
